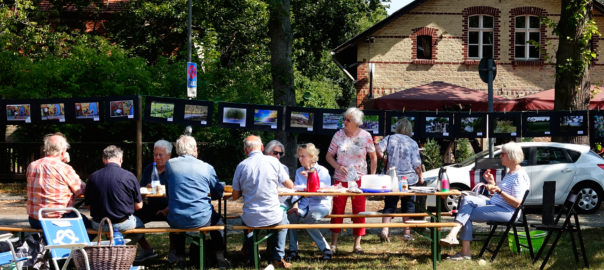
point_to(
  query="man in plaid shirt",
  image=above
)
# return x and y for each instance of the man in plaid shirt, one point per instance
(51, 182)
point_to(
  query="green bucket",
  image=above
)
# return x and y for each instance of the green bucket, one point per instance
(536, 240)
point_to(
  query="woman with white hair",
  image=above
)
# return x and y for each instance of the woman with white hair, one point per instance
(507, 196)
(351, 145)
(312, 209)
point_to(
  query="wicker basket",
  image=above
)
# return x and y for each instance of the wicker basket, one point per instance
(106, 257)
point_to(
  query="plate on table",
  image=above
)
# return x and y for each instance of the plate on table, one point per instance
(145, 191)
(371, 190)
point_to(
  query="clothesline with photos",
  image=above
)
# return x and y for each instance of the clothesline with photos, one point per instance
(426, 124)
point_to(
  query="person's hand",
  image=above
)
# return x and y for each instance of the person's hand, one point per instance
(489, 176)
(421, 181)
(343, 170)
(292, 210)
(149, 185)
(304, 173)
(493, 188)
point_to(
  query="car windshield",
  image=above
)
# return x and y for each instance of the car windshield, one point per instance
(472, 159)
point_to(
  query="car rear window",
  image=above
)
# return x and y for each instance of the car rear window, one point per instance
(574, 155)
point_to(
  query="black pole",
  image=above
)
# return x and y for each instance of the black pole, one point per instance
(490, 71)
(190, 29)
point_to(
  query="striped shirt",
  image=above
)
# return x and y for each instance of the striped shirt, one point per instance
(51, 183)
(515, 184)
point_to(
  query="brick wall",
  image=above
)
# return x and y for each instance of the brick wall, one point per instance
(394, 45)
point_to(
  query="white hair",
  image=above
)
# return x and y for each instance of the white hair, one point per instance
(356, 115)
(272, 144)
(186, 145)
(514, 152)
(54, 144)
(252, 142)
(111, 152)
(166, 145)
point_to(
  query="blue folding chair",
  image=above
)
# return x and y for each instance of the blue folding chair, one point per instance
(64, 236)
(10, 257)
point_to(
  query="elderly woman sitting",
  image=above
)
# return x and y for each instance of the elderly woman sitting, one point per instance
(507, 197)
(310, 209)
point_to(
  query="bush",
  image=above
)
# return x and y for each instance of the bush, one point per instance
(431, 157)
(463, 150)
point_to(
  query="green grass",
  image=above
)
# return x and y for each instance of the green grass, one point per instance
(399, 254)
(14, 188)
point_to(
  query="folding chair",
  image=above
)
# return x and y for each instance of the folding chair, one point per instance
(570, 225)
(511, 224)
(10, 257)
(64, 236)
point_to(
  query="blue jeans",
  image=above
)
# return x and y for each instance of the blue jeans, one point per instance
(130, 223)
(479, 209)
(276, 241)
(309, 216)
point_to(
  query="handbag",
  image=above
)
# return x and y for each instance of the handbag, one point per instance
(109, 257)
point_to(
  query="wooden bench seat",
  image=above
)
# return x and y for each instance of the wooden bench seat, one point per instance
(371, 215)
(349, 226)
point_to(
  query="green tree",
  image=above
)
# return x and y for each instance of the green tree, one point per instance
(431, 157)
(574, 57)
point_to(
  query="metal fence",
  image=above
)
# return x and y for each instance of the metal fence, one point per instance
(85, 157)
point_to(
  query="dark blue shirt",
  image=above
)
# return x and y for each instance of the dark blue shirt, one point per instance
(157, 203)
(190, 180)
(111, 192)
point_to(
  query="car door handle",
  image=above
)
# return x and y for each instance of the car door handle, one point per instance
(566, 170)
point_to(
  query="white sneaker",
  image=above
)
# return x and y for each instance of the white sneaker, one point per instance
(459, 257)
(449, 241)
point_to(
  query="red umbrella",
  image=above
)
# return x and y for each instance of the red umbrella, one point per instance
(544, 100)
(440, 96)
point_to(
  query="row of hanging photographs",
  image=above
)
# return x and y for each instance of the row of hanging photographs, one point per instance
(303, 120)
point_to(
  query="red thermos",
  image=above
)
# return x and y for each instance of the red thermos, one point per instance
(312, 181)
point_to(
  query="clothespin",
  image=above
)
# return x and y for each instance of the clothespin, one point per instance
(436, 111)
(470, 112)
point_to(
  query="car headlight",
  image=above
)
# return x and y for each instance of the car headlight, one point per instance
(430, 180)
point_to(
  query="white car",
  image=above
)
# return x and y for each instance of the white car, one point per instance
(572, 166)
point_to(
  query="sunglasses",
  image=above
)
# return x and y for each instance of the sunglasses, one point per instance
(278, 153)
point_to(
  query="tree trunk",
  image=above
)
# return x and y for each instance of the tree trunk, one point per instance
(572, 81)
(282, 72)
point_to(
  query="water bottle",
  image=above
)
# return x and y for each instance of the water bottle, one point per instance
(394, 179)
(404, 184)
(444, 185)
(155, 179)
(118, 238)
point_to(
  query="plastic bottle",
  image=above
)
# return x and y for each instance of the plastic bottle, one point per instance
(118, 238)
(404, 184)
(155, 179)
(444, 185)
(394, 179)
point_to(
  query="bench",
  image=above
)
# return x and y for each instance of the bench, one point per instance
(434, 227)
(393, 215)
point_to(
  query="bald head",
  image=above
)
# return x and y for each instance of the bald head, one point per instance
(252, 143)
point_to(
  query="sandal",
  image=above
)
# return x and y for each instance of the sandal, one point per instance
(459, 257)
(358, 250)
(334, 249)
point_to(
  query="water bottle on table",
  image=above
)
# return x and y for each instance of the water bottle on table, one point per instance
(118, 238)
(155, 179)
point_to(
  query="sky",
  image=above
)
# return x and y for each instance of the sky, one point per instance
(396, 5)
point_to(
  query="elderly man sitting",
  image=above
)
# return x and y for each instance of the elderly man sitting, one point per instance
(256, 179)
(190, 180)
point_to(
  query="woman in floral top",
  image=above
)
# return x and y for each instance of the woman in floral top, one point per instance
(351, 146)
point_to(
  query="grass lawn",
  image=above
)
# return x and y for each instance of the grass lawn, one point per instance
(399, 254)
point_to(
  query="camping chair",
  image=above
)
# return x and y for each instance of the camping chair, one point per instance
(10, 257)
(570, 224)
(511, 224)
(64, 236)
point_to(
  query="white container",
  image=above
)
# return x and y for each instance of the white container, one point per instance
(376, 182)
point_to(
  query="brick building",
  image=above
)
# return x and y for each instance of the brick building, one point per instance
(441, 40)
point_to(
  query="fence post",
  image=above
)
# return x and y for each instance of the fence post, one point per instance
(139, 139)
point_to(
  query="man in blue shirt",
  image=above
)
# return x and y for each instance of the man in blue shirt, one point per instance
(115, 193)
(256, 180)
(190, 180)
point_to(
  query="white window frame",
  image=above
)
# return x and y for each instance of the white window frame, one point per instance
(527, 30)
(481, 30)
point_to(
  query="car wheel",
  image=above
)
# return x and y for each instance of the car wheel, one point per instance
(591, 197)
(450, 203)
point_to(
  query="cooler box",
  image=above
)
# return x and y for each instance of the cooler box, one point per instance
(537, 238)
(376, 183)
